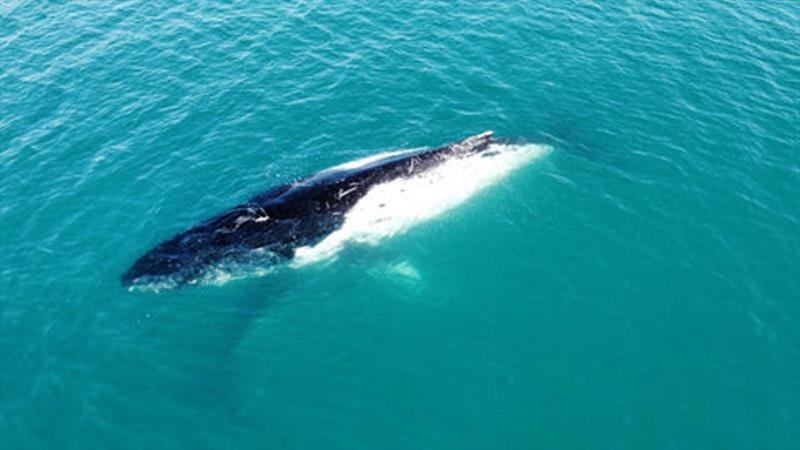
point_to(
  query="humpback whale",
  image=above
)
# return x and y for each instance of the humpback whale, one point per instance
(278, 224)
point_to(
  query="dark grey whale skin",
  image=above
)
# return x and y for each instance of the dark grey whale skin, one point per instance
(283, 218)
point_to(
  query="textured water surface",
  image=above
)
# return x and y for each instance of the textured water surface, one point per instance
(637, 287)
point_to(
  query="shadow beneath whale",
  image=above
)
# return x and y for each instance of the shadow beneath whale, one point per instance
(193, 335)
(255, 297)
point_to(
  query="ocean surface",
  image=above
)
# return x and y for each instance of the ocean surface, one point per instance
(635, 286)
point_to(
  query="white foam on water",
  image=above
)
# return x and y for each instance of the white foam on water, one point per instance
(219, 275)
(393, 207)
(213, 276)
(258, 264)
(154, 286)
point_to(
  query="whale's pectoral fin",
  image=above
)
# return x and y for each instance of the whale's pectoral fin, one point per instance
(404, 270)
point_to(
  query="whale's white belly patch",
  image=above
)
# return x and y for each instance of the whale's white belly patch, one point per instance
(392, 207)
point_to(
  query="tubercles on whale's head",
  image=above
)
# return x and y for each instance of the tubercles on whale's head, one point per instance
(473, 144)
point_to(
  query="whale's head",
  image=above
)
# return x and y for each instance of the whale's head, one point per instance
(236, 239)
(472, 144)
(164, 267)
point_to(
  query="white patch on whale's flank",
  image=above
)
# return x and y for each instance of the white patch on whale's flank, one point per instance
(341, 194)
(393, 207)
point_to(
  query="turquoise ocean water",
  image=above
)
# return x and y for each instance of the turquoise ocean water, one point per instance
(638, 287)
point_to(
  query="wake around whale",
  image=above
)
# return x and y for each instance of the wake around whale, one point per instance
(312, 218)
